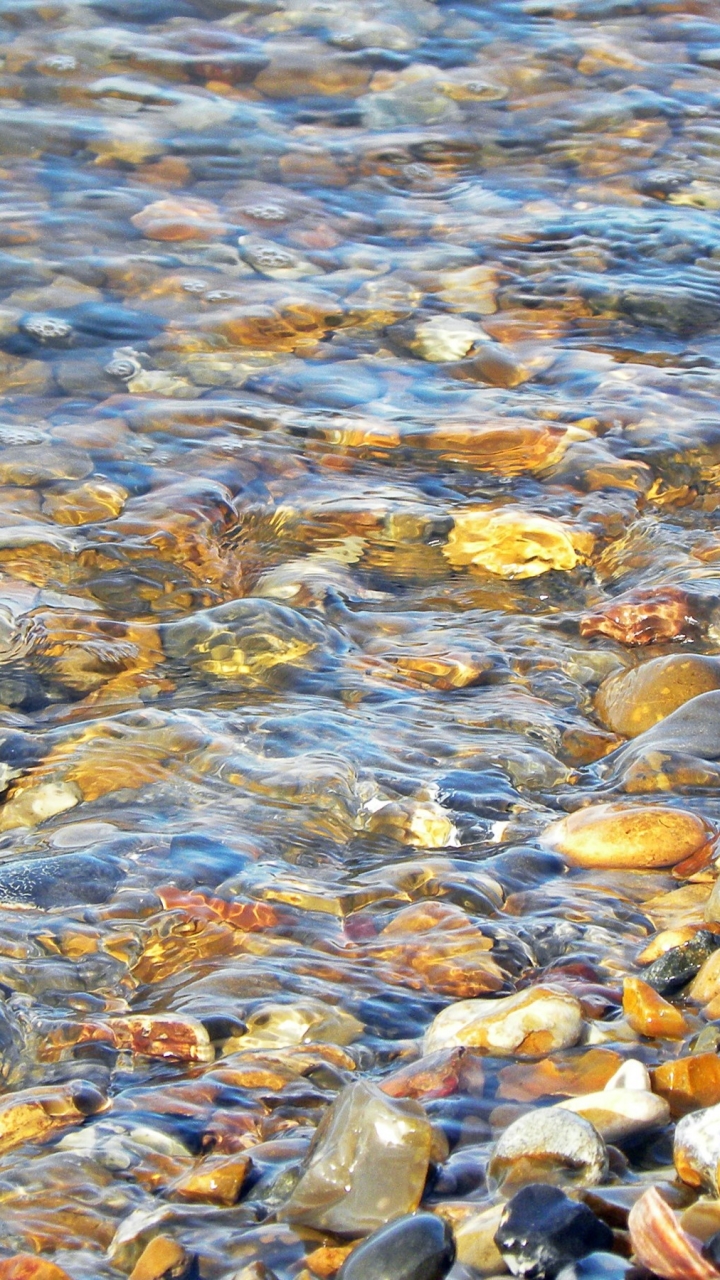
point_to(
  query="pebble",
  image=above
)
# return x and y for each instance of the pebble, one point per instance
(660, 1244)
(619, 836)
(696, 1149)
(162, 1259)
(368, 1163)
(513, 543)
(62, 881)
(417, 1246)
(549, 1143)
(646, 616)
(694, 729)
(698, 959)
(618, 1114)
(649, 1014)
(475, 1241)
(689, 1083)
(634, 700)
(542, 1230)
(530, 1023)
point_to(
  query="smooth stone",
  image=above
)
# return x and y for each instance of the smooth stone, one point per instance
(418, 1246)
(618, 835)
(542, 1230)
(635, 700)
(305, 1020)
(367, 1163)
(651, 1015)
(633, 1074)
(679, 965)
(620, 1113)
(706, 984)
(475, 1241)
(694, 729)
(549, 1143)
(696, 1149)
(530, 1023)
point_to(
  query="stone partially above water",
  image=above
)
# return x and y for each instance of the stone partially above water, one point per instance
(618, 835)
(528, 1024)
(549, 1144)
(367, 1164)
(419, 1246)
(542, 1229)
(697, 1149)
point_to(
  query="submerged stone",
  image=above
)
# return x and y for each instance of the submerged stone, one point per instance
(513, 543)
(636, 699)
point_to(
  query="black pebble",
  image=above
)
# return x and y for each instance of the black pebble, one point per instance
(678, 966)
(419, 1246)
(542, 1230)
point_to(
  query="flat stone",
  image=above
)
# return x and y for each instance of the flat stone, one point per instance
(618, 1114)
(530, 1023)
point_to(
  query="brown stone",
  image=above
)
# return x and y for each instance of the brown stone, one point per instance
(180, 218)
(645, 616)
(162, 1259)
(215, 1180)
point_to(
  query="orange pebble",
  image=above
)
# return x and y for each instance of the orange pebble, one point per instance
(689, 1083)
(649, 1014)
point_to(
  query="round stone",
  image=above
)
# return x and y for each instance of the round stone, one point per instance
(418, 1246)
(627, 836)
(549, 1143)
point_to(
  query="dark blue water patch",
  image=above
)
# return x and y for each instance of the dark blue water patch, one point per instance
(205, 860)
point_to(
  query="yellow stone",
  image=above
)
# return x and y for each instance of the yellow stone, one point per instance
(627, 836)
(513, 543)
(88, 503)
(636, 699)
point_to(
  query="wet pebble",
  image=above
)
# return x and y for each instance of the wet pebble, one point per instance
(542, 1230)
(550, 1143)
(418, 1246)
(368, 1163)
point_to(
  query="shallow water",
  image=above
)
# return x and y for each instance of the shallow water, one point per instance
(355, 359)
